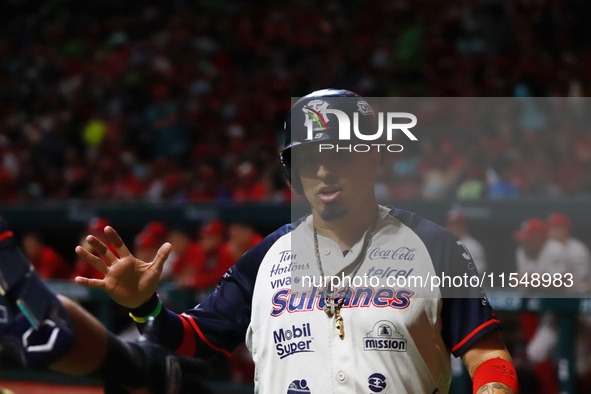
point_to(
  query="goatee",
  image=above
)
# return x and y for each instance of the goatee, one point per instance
(333, 212)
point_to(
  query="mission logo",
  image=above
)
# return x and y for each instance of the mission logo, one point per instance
(384, 337)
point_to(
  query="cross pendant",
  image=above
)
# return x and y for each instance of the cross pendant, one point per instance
(330, 307)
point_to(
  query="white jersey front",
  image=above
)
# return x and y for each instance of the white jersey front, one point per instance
(397, 339)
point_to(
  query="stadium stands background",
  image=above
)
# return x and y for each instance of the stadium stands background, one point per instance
(173, 111)
(172, 101)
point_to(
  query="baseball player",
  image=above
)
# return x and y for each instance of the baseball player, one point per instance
(536, 253)
(576, 253)
(352, 339)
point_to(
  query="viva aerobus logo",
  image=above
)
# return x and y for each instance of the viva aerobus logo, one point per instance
(317, 112)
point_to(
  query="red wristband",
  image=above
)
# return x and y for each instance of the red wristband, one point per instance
(495, 370)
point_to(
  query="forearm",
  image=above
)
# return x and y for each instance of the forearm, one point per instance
(170, 330)
(495, 376)
(99, 354)
(90, 344)
(472, 363)
(490, 367)
(91, 337)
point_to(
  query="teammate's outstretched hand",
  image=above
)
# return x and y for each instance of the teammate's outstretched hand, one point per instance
(129, 281)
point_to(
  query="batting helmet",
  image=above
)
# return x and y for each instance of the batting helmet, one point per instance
(309, 114)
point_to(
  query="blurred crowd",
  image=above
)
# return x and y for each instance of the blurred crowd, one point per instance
(196, 262)
(155, 101)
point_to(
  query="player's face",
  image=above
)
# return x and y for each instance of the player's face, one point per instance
(335, 183)
(533, 246)
(557, 232)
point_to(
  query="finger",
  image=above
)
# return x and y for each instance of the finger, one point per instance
(102, 249)
(96, 283)
(92, 259)
(162, 255)
(117, 242)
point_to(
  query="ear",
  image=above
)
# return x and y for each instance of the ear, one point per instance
(295, 184)
(290, 185)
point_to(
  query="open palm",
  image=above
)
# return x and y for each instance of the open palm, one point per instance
(129, 281)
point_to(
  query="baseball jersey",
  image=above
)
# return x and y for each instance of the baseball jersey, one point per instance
(396, 339)
(551, 259)
(578, 262)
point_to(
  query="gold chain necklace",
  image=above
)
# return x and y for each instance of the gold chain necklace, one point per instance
(332, 306)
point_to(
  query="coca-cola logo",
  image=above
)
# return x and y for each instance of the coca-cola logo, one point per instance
(402, 253)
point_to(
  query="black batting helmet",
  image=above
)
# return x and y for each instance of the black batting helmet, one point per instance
(308, 122)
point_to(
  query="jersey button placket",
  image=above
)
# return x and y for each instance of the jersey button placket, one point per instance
(342, 362)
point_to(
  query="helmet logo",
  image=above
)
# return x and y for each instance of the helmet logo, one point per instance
(316, 122)
(315, 111)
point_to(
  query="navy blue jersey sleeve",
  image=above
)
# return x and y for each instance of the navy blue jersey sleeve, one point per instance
(466, 314)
